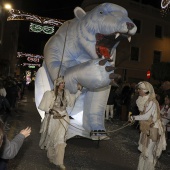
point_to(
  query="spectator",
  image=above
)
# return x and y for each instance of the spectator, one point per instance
(23, 87)
(110, 104)
(9, 149)
(2, 89)
(133, 108)
(164, 91)
(118, 103)
(5, 110)
(125, 101)
(31, 85)
(12, 93)
(165, 113)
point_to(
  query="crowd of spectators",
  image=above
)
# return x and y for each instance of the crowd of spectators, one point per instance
(11, 91)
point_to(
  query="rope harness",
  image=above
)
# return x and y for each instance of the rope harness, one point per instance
(106, 132)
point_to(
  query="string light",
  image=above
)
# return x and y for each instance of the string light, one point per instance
(21, 54)
(20, 15)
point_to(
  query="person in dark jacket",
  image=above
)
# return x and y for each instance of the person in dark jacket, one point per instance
(164, 91)
(110, 103)
(9, 149)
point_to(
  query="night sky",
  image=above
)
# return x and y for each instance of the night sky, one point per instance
(155, 3)
(30, 42)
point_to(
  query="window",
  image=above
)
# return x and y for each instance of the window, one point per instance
(134, 54)
(157, 57)
(138, 25)
(158, 31)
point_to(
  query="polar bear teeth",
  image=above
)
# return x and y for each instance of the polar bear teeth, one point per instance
(105, 43)
(129, 39)
(117, 35)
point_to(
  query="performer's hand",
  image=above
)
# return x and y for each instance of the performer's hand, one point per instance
(131, 118)
(26, 132)
(51, 112)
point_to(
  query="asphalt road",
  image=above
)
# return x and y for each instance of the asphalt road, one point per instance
(118, 153)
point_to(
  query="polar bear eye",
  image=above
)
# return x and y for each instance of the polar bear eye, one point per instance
(101, 12)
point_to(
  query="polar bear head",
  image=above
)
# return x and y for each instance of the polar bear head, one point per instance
(107, 24)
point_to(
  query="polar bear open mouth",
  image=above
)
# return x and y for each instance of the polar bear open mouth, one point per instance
(106, 43)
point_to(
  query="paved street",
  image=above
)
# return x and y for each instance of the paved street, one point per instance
(118, 153)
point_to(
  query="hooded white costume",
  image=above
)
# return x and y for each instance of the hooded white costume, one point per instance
(152, 138)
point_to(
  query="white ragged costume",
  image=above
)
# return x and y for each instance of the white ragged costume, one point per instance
(152, 138)
(55, 124)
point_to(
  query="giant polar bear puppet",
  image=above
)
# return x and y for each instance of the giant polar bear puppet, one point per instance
(83, 50)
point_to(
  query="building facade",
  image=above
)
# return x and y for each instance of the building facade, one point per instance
(151, 43)
(8, 43)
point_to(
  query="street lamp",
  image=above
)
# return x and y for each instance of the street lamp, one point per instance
(7, 6)
(4, 6)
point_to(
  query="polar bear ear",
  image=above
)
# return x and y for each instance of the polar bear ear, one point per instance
(79, 12)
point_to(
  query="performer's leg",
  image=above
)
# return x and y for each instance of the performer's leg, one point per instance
(60, 151)
(147, 162)
(141, 162)
(56, 155)
(152, 160)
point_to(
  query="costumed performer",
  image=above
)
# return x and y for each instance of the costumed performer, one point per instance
(55, 124)
(152, 137)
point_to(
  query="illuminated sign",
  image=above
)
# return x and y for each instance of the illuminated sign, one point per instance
(31, 66)
(41, 28)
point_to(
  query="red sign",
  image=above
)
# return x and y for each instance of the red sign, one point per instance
(148, 74)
